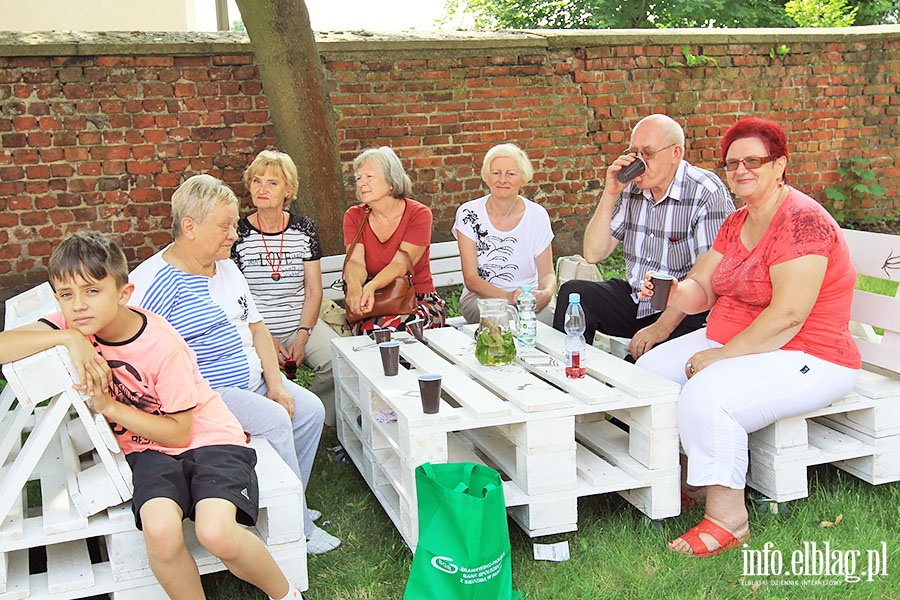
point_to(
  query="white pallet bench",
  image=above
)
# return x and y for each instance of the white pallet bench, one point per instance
(859, 433)
(543, 432)
(83, 518)
(446, 269)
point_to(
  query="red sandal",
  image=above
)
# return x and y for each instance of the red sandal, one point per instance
(724, 537)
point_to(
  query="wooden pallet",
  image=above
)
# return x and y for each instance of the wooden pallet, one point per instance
(80, 527)
(859, 433)
(545, 434)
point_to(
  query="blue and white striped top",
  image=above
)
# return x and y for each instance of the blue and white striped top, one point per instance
(213, 315)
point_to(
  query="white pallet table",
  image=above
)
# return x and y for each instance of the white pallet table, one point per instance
(520, 419)
(859, 433)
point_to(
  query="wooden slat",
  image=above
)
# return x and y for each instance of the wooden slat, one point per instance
(481, 402)
(512, 382)
(15, 475)
(874, 254)
(29, 306)
(69, 567)
(59, 509)
(876, 309)
(629, 378)
(7, 397)
(444, 250)
(588, 390)
(18, 584)
(446, 269)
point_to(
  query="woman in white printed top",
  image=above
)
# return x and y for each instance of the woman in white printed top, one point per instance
(504, 239)
(278, 252)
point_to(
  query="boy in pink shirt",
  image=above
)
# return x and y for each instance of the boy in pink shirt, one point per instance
(188, 454)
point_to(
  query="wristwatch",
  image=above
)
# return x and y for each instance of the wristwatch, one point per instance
(308, 330)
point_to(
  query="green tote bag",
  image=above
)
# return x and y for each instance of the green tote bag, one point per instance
(463, 551)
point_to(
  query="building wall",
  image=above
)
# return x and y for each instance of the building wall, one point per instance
(99, 15)
(97, 131)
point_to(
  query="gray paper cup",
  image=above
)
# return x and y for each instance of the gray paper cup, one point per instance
(430, 390)
(415, 328)
(381, 335)
(662, 284)
(390, 357)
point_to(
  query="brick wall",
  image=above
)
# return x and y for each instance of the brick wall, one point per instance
(97, 130)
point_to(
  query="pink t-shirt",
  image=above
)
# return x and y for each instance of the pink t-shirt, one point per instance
(800, 227)
(414, 228)
(157, 372)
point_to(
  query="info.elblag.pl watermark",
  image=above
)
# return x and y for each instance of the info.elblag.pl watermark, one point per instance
(814, 563)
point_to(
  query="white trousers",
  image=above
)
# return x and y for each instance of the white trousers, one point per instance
(725, 402)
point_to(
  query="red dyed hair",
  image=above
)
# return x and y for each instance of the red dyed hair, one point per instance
(769, 133)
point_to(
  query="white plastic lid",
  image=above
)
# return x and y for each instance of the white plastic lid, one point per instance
(574, 298)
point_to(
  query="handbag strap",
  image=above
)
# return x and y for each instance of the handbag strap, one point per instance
(362, 223)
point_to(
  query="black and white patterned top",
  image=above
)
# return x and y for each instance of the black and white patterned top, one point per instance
(274, 269)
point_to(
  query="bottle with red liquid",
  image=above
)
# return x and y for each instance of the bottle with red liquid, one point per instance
(575, 344)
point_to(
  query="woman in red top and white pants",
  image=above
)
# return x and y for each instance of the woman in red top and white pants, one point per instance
(779, 281)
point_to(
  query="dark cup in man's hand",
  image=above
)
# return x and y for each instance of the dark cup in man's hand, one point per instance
(632, 170)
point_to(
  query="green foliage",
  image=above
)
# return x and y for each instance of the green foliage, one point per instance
(614, 265)
(779, 51)
(821, 13)
(690, 60)
(616, 14)
(857, 182)
(451, 294)
(624, 14)
(876, 12)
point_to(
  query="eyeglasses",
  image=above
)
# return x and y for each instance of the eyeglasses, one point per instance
(646, 153)
(751, 163)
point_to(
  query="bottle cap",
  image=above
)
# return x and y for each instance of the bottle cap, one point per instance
(574, 298)
(526, 289)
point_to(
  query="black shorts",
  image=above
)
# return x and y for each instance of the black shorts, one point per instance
(224, 471)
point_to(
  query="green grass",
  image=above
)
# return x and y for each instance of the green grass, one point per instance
(616, 553)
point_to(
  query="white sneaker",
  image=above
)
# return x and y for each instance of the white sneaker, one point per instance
(320, 541)
(314, 514)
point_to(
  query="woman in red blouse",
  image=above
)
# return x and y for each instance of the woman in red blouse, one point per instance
(779, 283)
(397, 228)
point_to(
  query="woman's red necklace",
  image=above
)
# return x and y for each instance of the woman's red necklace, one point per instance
(276, 271)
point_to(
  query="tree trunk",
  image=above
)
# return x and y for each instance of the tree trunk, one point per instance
(294, 84)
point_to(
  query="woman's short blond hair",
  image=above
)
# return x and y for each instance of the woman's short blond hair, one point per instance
(197, 198)
(388, 164)
(507, 151)
(274, 159)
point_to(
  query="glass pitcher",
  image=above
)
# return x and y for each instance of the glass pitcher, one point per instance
(494, 340)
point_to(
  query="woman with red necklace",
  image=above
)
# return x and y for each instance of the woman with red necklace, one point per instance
(278, 253)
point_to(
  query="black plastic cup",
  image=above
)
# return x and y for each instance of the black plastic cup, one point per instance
(632, 170)
(662, 285)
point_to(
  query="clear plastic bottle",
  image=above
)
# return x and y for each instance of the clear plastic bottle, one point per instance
(526, 303)
(575, 344)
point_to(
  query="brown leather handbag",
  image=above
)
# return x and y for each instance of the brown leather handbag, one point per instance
(396, 298)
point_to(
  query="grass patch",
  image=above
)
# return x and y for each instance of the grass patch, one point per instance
(616, 552)
(884, 287)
